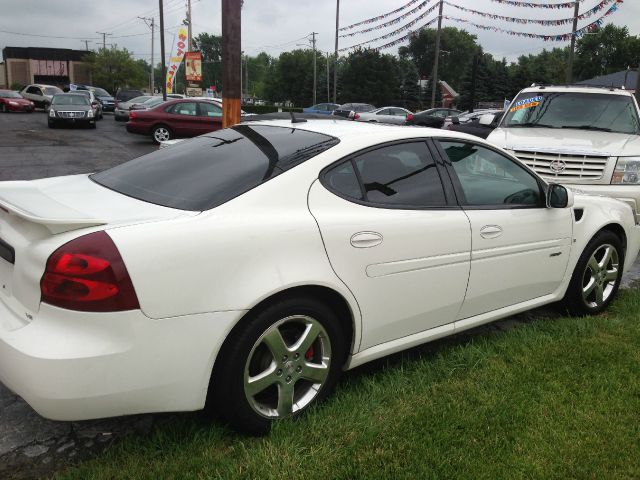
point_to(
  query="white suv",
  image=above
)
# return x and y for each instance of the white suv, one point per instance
(583, 137)
(40, 95)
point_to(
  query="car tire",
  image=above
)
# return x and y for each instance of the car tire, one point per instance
(161, 133)
(261, 377)
(597, 275)
(3, 108)
(51, 124)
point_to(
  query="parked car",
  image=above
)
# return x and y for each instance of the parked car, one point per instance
(121, 113)
(149, 103)
(395, 115)
(11, 101)
(321, 108)
(95, 104)
(71, 109)
(176, 118)
(348, 110)
(434, 117)
(105, 98)
(40, 95)
(584, 137)
(465, 117)
(126, 94)
(244, 270)
(474, 127)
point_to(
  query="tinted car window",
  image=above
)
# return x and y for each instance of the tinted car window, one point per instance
(210, 110)
(343, 180)
(210, 170)
(489, 178)
(401, 175)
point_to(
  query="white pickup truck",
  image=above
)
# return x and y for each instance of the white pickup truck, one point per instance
(587, 138)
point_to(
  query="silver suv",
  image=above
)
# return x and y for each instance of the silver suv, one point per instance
(40, 95)
(583, 137)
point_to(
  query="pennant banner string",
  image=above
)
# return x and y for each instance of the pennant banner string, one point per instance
(390, 22)
(380, 17)
(562, 21)
(404, 28)
(517, 3)
(547, 38)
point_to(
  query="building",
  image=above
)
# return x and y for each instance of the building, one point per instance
(626, 78)
(3, 76)
(51, 66)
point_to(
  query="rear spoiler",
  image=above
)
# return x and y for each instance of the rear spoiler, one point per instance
(24, 200)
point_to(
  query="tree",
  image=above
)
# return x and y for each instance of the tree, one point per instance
(211, 48)
(456, 50)
(290, 78)
(371, 77)
(547, 67)
(114, 68)
(606, 50)
(410, 94)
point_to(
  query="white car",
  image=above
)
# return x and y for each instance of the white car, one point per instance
(584, 137)
(40, 95)
(245, 269)
(394, 115)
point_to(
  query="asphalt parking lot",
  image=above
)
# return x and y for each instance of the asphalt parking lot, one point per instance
(31, 446)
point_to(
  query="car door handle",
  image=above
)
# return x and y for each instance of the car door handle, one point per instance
(490, 231)
(366, 239)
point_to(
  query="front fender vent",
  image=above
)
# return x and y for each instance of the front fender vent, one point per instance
(578, 213)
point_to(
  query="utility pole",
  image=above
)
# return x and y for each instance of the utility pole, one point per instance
(162, 54)
(152, 26)
(86, 44)
(335, 59)
(576, 13)
(189, 20)
(104, 39)
(231, 60)
(435, 62)
(328, 93)
(241, 76)
(315, 68)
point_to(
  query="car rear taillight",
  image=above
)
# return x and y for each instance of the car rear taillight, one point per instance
(133, 115)
(356, 116)
(88, 274)
(409, 117)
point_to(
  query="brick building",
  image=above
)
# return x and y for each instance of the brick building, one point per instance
(51, 66)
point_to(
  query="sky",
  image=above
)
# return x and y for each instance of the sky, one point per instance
(273, 26)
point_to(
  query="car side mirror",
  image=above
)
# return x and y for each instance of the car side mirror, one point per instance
(455, 121)
(487, 119)
(559, 196)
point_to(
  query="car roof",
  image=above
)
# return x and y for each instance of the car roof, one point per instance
(378, 133)
(577, 89)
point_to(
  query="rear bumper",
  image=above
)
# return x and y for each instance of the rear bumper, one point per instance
(138, 128)
(20, 108)
(629, 194)
(77, 365)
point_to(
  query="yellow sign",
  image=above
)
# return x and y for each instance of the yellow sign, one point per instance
(175, 61)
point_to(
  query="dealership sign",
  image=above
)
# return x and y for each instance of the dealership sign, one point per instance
(193, 64)
(176, 60)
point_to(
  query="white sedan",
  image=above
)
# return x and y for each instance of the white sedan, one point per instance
(244, 270)
(394, 115)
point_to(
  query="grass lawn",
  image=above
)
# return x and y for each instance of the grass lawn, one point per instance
(553, 398)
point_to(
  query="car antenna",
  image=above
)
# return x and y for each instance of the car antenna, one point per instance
(296, 120)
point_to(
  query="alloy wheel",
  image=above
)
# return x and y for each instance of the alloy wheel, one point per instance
(161, 134)
(600, 276)
(287, 367)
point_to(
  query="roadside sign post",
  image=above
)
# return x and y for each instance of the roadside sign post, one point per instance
(231, 52)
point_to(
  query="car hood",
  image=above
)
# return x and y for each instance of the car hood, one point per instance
(586, 142)
(72, 107)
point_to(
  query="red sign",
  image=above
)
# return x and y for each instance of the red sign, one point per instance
(193, 62)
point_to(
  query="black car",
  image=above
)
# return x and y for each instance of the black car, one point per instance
(126, 94)
(434, 117)
(474, 127)
(106, 100)
(345, 110)
(71, 109)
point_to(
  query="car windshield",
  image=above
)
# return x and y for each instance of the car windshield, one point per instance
(359, 107)
(210, 170)
(140, 99)
(153, 101)
(70, 100)
(51, 90)
(101, 92)
(578, 110)
(9, 94)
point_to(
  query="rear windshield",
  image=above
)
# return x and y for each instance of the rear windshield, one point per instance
(573, 110)
(210, 170)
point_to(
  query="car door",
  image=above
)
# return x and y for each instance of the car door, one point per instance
(209, 117)
(398, 116)
(520, 248)
(395, 237)
(183, 119)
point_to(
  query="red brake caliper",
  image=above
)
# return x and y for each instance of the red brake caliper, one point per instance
(310, 353)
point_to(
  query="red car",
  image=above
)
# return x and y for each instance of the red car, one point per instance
(186, 117)
(11, 101)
